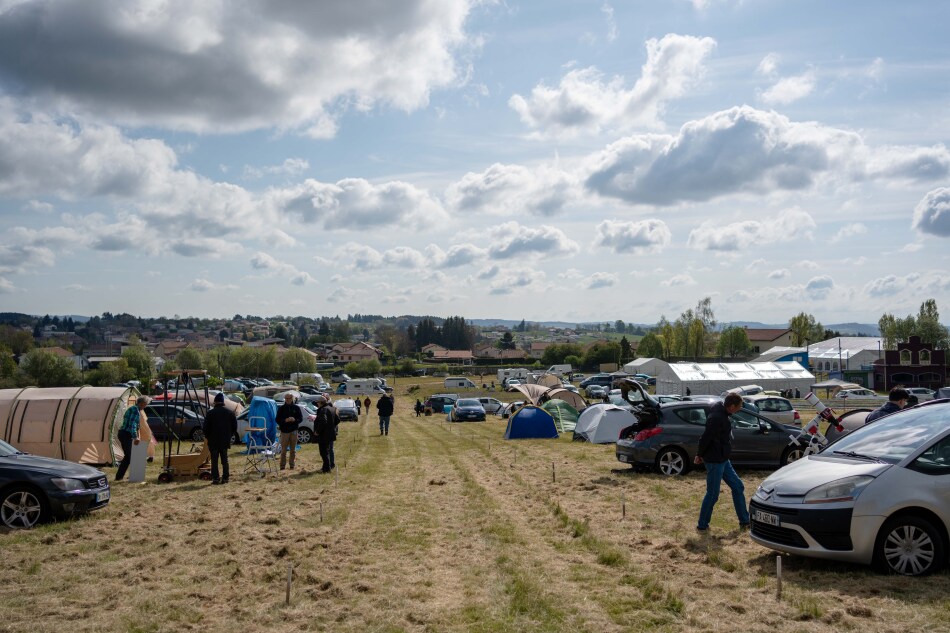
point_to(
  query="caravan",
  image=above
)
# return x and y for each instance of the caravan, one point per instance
(459, 382)
(518, 373)
(361, 387)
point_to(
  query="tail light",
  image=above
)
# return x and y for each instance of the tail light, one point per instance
(798, 418)
(647, 434)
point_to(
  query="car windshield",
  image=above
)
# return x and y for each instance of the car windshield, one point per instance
(7, 450)
(468, 403)
(346, 404)
(895, 437)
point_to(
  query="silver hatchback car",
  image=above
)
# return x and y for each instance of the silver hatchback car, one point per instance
(875, 496)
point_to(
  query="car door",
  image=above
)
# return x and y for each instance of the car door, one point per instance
(750, 438)
(153, 416)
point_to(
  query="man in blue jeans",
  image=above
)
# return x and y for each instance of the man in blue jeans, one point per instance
(715, 447)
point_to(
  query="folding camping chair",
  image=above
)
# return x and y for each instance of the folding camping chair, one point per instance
(261, 452)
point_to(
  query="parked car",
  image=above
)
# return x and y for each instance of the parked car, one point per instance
(305, 433)
(775, 408)
(667, 398)
(491, 405)
(570, 388)
(671, 445)
(875, 496)
(862, 394)
(604, 380)
(36, 489)
(595, 391)
(182, 422)
(338, 376)
(467, 410)
(923, 394)
(438, 402)
(510, 384)
(646, 379)
(346, 408)
(511, 407)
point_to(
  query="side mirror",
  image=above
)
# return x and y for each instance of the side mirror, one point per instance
(764, 428)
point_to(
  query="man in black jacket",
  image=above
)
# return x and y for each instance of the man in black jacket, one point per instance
(219, 427)
(288, 420)
(715, 445)
(385, 407)
(325, 427)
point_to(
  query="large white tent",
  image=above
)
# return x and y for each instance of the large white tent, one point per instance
(714, 378)
(648, 366)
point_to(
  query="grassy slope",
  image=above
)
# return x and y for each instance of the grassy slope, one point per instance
(436, 527)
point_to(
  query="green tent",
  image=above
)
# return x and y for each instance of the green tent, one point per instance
(565, 416)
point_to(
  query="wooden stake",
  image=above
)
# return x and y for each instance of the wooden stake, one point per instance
(336, 477)
(321, 512)
(290, 575)
(553, 476)
(778, 577)
(623, 504)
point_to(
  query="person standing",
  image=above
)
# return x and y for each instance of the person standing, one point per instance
(715, 446)
(326, 427)
(288, 422)
(129, 433)
(366, 404)
(220, 426)
(384, 407)
(359, 403)
(896, 400)
(419, 408)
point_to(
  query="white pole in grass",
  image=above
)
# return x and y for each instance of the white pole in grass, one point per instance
(778, 577)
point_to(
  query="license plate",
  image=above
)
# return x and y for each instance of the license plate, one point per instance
(622, 458)
(766, 517)
(102, 496)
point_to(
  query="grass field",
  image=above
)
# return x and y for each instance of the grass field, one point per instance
(436, 527)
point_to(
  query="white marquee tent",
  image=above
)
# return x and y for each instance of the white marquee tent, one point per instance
(714, 378)
(648, 366)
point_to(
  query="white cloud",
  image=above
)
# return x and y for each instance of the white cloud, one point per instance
(889, 285)
(755, 265)
(768, 66)
(642, 237)
(819, 287)
(612, 31)
(6, 286)
(76, 288)
(513, 190)
(517, 281)
(683, 279)
(201, 285)
(290, 167)
(600, 280)
(749, 151)
(808, 264)
(911, 247)
(270, 265)
(457, 255)
(849, 230)
(489, 272)
(585, 102)
(341, 295)
(780, 273)
(789, 89)
(932, 213)
(225, 67)
(713, 236)
(36, 206)
(514, 240)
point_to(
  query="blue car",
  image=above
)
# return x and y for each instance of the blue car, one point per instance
(467, 410)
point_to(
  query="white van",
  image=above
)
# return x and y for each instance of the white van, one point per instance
(559, 369)
(361, 387)
(458, 382)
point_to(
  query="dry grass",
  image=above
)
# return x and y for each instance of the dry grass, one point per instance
(436, 527)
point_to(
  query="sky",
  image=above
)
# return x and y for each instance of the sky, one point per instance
(548, 160)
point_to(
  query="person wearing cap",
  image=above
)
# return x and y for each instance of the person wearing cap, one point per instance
(130, 433)
(219, 427)
(288, 422)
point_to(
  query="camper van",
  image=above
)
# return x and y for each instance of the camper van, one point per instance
(515, 372)
(361, 387)
(559, 369)
(309, 378)
(458, 382)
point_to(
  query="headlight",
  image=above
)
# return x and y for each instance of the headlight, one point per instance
(846, 489)
(68, 484)
(760, 493)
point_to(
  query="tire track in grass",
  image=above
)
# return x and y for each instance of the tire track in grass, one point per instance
(639, 592)
(537, 584)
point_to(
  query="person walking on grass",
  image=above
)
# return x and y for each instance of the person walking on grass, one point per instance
(385, 407)
(715, 446)
(129, 433)
(366, 404)
(219, 427)
(326, 427)
(288, 422)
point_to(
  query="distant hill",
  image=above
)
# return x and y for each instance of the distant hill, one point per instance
(846, 329)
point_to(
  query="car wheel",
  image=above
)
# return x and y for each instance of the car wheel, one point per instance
(672, 461)
(21, 508)
(304, 436)
(792, 454)
(910, 546)
(197, 434)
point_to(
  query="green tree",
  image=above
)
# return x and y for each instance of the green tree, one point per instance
(108, 374)
(280, 332)
(19, 341)
(7, 362)
(574, 360)
(805, 329)
(601, 353)
(189, 358)
(929, 328)
(555, 354)
(507, 341)
(363, 368)
(296, 360)
(620, 326)
(733, 343)
(40, 368)
(667, 334)
(650, 346)
(626, 351)
(140, 362)
(407, 367)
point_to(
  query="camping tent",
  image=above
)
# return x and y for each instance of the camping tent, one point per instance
(574, 399)
(530, 422)
(602, 423)
(548, 380)
(565, 416)
(78, 424)
(648, 366)
(833, 386)
(532, 392)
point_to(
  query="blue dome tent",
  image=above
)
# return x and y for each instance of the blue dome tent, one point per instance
(530, 422)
